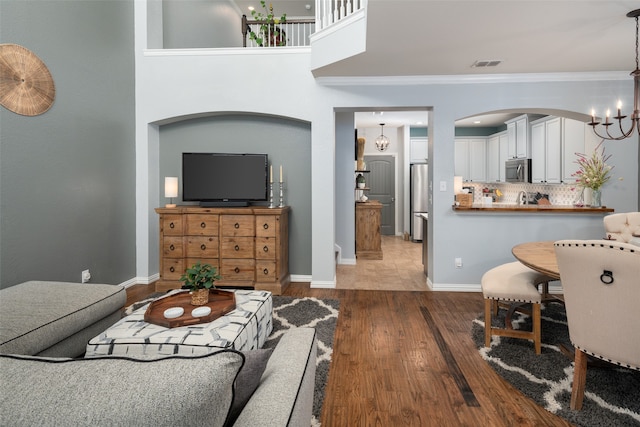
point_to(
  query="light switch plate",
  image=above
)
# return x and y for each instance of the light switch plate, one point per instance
(443, 185)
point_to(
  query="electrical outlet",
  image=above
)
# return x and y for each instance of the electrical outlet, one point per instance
(86, 276)
(458, 262)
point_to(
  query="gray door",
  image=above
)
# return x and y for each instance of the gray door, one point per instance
(382, 184)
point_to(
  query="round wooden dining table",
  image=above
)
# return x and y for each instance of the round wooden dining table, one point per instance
(538, 256)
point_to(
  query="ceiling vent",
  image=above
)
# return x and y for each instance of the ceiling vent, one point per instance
(486, 63)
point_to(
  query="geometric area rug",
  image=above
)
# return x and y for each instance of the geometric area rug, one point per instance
(321, 314)
(291, 312)
(612, 393)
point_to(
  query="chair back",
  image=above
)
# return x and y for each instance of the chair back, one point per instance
(622, 226)
(601, 284)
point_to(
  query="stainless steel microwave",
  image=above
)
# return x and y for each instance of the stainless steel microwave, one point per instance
(518, 170)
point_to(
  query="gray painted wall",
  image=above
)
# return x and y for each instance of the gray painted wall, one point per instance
(201, 24)
(287, 142)
(67, 194)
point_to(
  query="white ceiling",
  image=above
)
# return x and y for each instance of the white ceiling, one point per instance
(445, 37)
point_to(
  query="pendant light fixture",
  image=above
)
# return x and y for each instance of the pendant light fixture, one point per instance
(635, 116)
(382, 142)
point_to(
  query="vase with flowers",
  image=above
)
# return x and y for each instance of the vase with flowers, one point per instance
(593, 172)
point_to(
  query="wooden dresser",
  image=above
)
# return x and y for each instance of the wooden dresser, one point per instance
(368, 223)
(249, 246)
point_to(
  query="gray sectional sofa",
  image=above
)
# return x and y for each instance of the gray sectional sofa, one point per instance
(228, 388)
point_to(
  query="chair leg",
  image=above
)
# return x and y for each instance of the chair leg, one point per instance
(537, 335)
(488, 308)
(579, 379)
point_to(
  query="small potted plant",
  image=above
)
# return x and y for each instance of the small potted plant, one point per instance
(200, 278)
(360, 181)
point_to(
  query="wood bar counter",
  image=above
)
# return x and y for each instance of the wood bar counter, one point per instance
(498, 207)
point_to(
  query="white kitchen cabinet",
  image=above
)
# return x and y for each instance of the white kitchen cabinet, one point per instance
(574, 134)
(518, 134)
(418, 150)
(497, 154)
(471, 159)
(546, 141)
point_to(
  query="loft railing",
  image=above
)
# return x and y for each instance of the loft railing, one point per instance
(296, 32)
(329, 12)
(293, 32)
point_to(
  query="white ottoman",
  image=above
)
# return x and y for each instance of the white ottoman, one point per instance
(245, 328)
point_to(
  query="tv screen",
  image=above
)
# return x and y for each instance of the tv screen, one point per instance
(226, 178)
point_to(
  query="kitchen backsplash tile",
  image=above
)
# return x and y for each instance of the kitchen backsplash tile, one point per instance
(559, 194)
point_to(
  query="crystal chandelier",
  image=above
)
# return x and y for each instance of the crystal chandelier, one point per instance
(382, 142)
(635, 117)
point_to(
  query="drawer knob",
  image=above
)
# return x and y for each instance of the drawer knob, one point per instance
(173, 248)
(237, 248)
(172, 269)
(203, 247)
(266, 248)
(203, 224)
(266, 226)
(265, 271)
(237, 270)
(172, 225)
(236, 225)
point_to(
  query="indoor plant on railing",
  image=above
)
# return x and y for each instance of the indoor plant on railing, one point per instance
(200, 278)
(269, 33)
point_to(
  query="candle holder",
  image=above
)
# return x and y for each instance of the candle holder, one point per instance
(281, 205)
(271, 205)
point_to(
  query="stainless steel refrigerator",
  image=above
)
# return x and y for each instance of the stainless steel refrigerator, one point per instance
(419, 190)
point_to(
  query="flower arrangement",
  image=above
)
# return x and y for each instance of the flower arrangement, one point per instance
(593, 170)
(269, 32)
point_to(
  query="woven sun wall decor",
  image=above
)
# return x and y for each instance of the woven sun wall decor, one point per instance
(26, 85)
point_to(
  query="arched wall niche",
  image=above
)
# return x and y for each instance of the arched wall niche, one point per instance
(287, 142)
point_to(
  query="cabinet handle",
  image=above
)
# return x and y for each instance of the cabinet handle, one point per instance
(266, 226)
(266, 249)
(265, 271)
(237, 248)
(203, 224)
(203, 247)
(236, 225)
(237, 270)
(173, 248)
(172, 269)
(172, 225)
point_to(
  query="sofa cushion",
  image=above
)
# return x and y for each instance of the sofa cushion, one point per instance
(248, 380)
(170, 391)
(38, 314)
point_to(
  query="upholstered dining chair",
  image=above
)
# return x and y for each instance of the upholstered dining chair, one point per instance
(622, 226)
(601, 283)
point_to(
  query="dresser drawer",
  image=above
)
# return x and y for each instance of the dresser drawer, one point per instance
(172, 247)
(172, 268)
(238, 225)
(190, 262)
(202, 247)
(266, 225)
(237, 247)
(266, 271)
(266, 247)
(202, 225)
(171, 225)
(237, 269)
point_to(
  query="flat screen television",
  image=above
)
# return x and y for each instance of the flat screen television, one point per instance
(225, 179)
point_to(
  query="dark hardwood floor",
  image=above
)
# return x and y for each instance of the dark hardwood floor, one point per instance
(406, 358)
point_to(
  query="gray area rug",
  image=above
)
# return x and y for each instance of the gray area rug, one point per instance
(288, 313)
(612, 395)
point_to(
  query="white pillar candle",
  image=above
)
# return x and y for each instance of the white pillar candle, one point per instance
(280, 173)
(271, 174)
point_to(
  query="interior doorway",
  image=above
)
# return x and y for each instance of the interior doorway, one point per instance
(382, 187)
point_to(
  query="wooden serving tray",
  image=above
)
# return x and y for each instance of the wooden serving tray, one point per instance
(221, 303)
